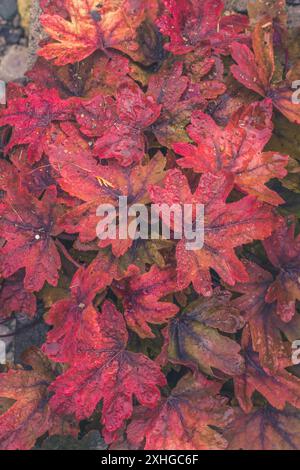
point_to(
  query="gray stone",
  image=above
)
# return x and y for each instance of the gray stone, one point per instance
(8, 8)
(14, 64)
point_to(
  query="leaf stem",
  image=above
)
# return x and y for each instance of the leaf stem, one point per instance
(67, 254)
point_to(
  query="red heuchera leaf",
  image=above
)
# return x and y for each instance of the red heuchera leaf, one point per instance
(71, 316)
(279, 388)
(140, 294)
(256, 70)
(275, 9)
(183, 420)
(14, 298)
(283, 250)
(178, 98)
(105, 370)
(30, 416)
(226, 226)
(135, 100)
(95, 184)
(264, 324)
(193, 23)
(120, 127)
(96, 115)
(27, 225)
(94, 75)
(91, 26)
(236, 149)
(31, 117)
(265, 428)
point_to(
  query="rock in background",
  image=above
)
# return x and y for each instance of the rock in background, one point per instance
(14, 25)
(16, 15)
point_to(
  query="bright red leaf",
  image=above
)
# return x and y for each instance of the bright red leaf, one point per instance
(91, 25)
(31, 117)
(125, 92)
(236, 149)
(94, 184)
(105, 370)
(256, 70)
(141, 294)
(119, 127)
(70, 316)
(226, 226)
(28, 226)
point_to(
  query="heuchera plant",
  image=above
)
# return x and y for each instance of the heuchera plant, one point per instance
(150, 344)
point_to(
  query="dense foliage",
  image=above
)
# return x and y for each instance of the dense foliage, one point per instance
(150, 344)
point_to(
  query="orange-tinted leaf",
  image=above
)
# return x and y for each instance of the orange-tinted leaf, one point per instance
(27, 225)
(192, 23)
(91, 25)
(275, 9)
(195, 339)
(83, 177)
(120, 131)
(255, 70)
(30, 415)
